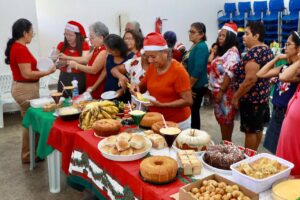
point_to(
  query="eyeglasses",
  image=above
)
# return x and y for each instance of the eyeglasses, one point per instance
(69, 35)
(288, 44)
(193, 32)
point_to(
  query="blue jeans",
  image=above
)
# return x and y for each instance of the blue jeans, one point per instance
(274, 129)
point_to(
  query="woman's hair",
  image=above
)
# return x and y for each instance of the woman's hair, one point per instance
(295, 38)
(18, 29)
(78, 47)
(230, 41)
(200, 27)
(115, 42)
(99, 29)
(138, 38)
(257, 28)
(171, 38)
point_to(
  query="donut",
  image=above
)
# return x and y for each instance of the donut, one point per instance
(158, 169)
(106, 127)
(150, 118)
(160, 124)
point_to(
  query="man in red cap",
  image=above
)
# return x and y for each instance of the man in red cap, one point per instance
(73, 47)
(167, 81)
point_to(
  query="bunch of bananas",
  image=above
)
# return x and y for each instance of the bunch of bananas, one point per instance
(95, 111)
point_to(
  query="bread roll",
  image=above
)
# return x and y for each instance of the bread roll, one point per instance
(124, 136)
(122, 145)
(136, 151)
(158, 141)
(127, 152)
(106, 149)
(114, 151)
(111, 141)
(137, 141)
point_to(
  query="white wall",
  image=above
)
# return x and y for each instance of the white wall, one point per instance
(53, 15)
(10, 11)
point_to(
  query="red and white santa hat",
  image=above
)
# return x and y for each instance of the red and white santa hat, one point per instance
(230, 26)
(155, 42)
(75, 27)
(180, 46)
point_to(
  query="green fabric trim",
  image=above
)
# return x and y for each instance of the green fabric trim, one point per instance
(41, 123)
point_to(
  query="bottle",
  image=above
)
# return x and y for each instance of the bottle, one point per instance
(75, 91)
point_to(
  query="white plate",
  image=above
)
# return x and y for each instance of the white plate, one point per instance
(44, 64)
(197, 152)
(214, 169)
(146, 96)
(124, 158)
(109, 95)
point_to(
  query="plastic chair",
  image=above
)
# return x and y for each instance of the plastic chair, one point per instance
(5, 94)
(44, 87)
(294, 8)
(244, 12)
(272, 21)
(227, 13)
(259, 9)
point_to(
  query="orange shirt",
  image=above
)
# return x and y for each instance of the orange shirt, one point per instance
(167, 87)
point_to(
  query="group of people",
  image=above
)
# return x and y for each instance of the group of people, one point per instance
(176, 77)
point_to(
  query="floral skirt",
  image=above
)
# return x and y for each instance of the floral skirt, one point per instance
(224, 111)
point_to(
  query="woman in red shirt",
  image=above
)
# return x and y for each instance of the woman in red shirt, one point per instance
(24, 71)
(72, 46)
(95, 75)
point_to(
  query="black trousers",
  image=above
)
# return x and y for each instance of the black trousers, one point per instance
(197, 101)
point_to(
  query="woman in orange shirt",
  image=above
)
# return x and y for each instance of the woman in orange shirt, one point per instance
(167, 81)
(25, 73)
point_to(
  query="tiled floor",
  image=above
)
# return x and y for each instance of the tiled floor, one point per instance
(18, 183)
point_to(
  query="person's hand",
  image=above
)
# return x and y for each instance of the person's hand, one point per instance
(235, 102)
(89, 89)
(72, 64)
(218, 97)
(123, 82)
(153, 103)
(134, 89)
(52, 69)
(63, 56)
(281, 57)
(119, 93)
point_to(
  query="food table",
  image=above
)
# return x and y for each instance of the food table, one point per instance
(85, 165)
(117, 180)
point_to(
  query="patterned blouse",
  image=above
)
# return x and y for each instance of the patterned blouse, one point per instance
(259, 93)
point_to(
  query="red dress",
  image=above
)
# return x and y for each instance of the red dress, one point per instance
(92, 78)
(289, 141)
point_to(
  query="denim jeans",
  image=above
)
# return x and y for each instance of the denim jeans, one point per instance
(274, 129)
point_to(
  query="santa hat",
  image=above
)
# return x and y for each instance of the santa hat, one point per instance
(75, 27)
(155, 42)
(231, 27)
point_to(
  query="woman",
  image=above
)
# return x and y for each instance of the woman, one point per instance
(117, 54)
(253, 92)
(25, 73)
(197, 69)
(72, 46)
(171, 39)
(166, 80)
(289, 144)
(221, 78)
(134, 42)
(94, 71)
(283, 92)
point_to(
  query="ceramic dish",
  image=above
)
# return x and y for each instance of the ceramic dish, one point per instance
(124, 158)
(214, 169)
(109, 95)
